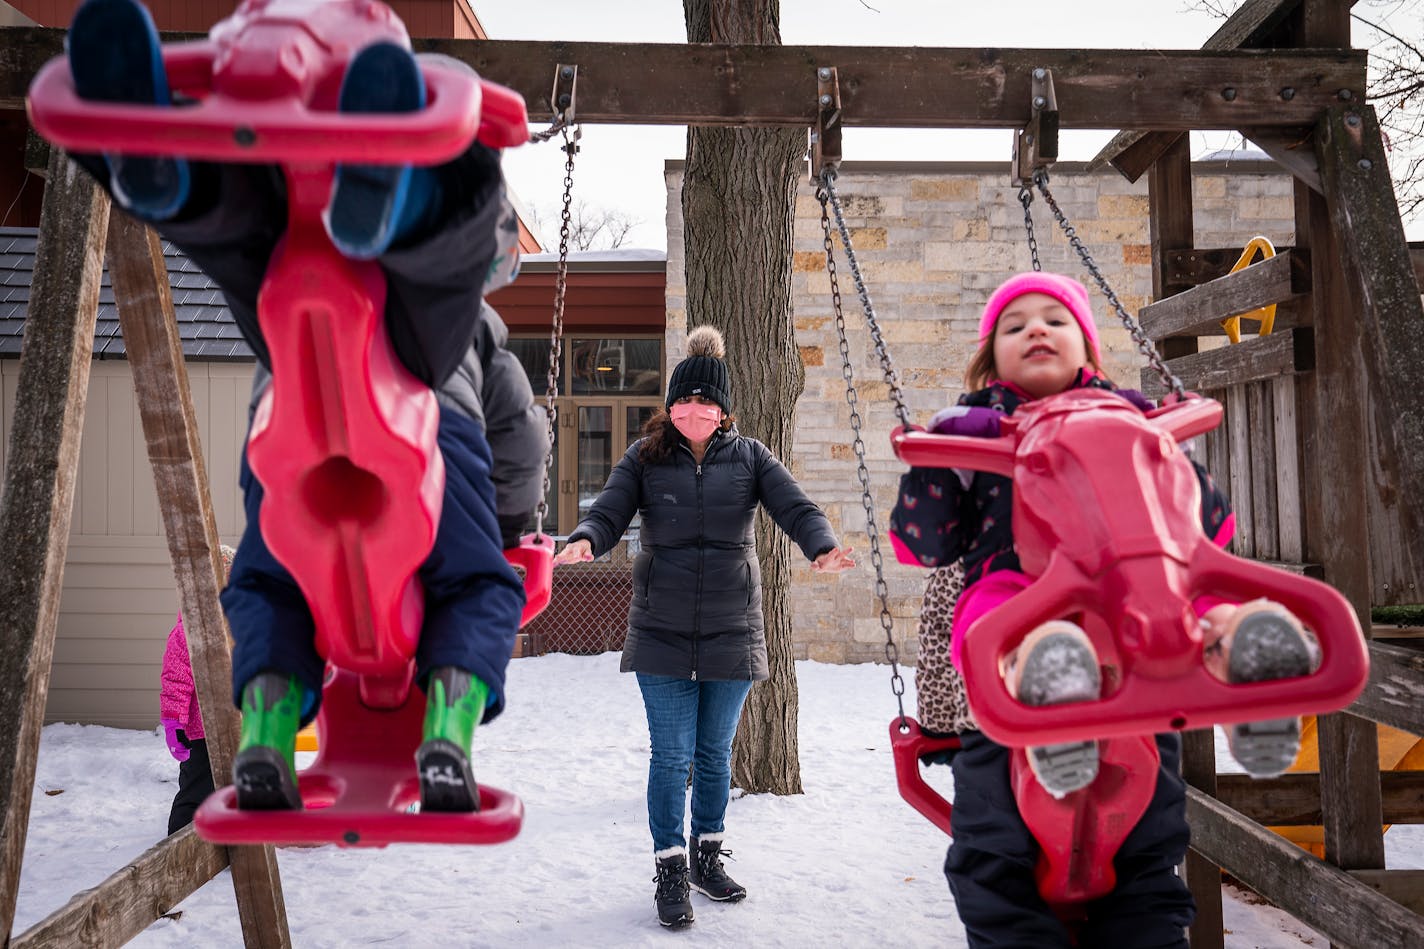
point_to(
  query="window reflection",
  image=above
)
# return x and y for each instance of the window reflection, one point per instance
(595, 452)
(625, 366)
(533, 355)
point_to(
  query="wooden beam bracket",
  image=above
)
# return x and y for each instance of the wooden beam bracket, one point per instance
(563, 100)
(1036, 144)
(824, 152)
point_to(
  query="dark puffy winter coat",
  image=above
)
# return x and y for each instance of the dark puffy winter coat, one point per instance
(696, 609)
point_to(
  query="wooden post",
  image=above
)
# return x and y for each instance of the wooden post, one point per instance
(1169, 197)
(165, 404)
(1338, 497)
(38, 495)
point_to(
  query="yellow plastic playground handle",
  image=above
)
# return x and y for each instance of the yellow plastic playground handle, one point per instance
(1266, 315)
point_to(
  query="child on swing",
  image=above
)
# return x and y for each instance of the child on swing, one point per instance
(443, 236)
(1037, 338)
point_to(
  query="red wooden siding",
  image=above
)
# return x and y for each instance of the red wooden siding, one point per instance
(606, 302)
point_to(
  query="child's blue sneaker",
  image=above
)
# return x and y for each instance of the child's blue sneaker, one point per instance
(114, 56)
(373, 205)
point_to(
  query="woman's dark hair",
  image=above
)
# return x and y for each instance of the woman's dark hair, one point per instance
(661, 437)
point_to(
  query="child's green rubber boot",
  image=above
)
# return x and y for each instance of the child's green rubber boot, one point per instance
(265, 771)
(455, 702)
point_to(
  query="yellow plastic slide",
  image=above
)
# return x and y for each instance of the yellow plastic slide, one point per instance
(1398, 751)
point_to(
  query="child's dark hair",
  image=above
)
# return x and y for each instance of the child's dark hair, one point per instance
(661, 437)
(982, 371)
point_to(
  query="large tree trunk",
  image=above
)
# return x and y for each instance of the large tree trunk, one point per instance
(738, 203)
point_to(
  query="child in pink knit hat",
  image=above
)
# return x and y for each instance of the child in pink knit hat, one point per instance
(1037, 338)
(183, 721)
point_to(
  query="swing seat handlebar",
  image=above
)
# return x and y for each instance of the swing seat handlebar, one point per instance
(1107, 521)
(263, 88)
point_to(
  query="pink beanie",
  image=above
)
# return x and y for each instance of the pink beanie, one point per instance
(1065, 290)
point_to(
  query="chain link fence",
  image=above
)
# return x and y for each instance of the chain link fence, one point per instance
(588, 612)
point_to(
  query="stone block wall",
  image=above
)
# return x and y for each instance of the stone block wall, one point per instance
(933, 240)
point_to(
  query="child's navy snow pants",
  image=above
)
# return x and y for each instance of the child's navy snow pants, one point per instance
(990, 864)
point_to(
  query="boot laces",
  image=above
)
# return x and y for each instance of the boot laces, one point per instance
(709, 863)
(671, 880)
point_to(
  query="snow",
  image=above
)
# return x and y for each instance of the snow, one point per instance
(844, 864)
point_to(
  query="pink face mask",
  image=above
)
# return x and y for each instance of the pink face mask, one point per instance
(696, 422)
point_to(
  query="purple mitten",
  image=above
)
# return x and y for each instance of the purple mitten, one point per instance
(1137, 398)
(966, 420)
(177, 740)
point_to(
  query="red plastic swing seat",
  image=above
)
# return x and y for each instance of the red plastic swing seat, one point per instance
(344, 440)
(1107, 521)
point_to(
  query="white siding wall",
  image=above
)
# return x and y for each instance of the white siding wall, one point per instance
(119, 597)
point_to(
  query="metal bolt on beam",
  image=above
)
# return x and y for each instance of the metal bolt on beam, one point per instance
(1288, 93)
(1229, 94)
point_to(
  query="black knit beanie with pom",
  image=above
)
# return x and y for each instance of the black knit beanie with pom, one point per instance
(703, 372)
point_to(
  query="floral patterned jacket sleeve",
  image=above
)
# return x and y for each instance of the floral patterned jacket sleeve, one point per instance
(934, 518)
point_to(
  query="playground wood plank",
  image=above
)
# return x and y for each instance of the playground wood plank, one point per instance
(38, 495)
(170, 427)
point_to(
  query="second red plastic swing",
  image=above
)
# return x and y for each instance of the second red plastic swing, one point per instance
(344, 440)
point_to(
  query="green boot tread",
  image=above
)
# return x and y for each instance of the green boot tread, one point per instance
(265, 770)
(455, 704)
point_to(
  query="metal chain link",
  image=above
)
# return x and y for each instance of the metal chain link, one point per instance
(826, 195)
(560, 124)
(892, 378)
(1144, 345)
(1026, 199)
(556, 334)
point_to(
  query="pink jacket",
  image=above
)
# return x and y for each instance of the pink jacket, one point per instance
(178, 699)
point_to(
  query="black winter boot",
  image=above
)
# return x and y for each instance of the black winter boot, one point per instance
(674, 903)
(708, 877)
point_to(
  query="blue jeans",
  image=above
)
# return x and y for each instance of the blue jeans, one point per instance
(689, 724)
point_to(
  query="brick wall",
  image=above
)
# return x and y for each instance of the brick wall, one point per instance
(933, 240)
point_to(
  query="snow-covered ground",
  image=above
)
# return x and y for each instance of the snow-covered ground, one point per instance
(845, 864)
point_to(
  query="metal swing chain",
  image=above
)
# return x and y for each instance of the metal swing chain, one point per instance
(1026, 199)
(556, 334)
(1144, 345)
(560, 125)
(826, 194)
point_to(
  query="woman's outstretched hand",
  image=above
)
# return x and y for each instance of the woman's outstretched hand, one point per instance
(578, 551)
(832, 561)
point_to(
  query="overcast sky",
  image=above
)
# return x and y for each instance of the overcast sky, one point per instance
(621, 167)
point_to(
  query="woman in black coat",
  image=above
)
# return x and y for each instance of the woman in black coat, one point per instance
(696, 637)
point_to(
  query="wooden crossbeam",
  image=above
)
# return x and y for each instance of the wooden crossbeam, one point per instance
(129, 901)
(1395, 695)
(170, 427)
(1294, 799)
(1326, 898)
(1283, 353)
(1133, 151)
(888, 87)
(1200, 310)
(38, 494)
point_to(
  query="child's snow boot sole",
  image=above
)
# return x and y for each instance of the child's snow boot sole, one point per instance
(115, 56)
(264, 782)
(367, 201)
(1061, 668)
(447, 783)
(1063, 769)
(1265, 749)
(1267, 645)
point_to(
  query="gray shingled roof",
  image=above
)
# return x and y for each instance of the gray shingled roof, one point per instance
(204, 321)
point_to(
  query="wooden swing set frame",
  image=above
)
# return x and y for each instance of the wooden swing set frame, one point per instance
(1279, 71)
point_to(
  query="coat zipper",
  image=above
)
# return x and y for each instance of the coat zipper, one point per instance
(701, 555)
